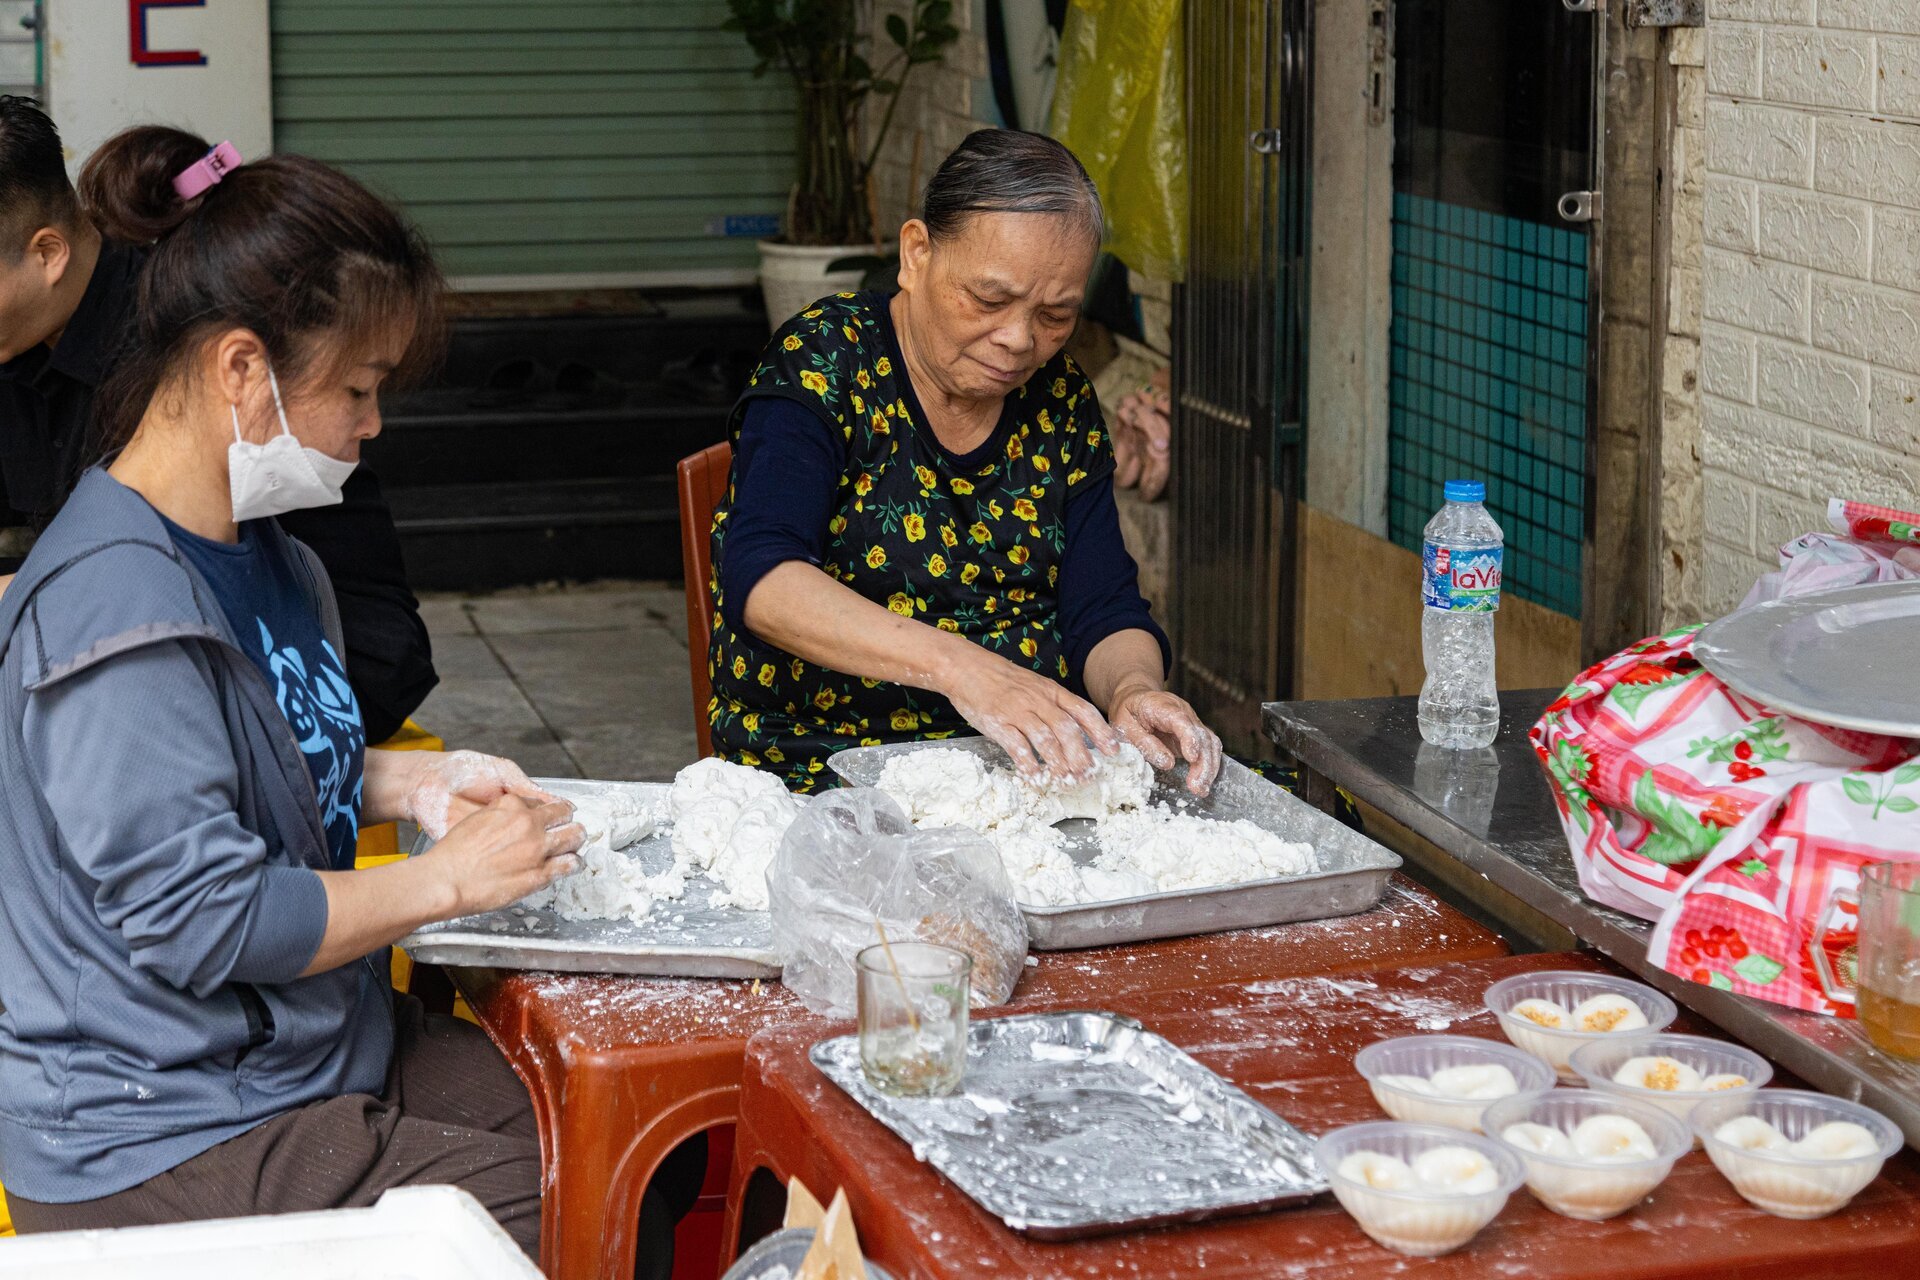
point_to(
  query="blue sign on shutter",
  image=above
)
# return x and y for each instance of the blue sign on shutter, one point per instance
(757, 225)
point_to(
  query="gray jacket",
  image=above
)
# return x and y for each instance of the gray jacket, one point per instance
(159, 838)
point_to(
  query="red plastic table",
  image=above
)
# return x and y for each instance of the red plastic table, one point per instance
(1290, 1043)
(622, 1070)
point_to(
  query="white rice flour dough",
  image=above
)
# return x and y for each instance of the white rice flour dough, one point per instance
(610, 885)
(727, 821)
(1145, 848)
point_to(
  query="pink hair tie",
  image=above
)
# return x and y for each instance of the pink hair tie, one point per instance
(206, 172)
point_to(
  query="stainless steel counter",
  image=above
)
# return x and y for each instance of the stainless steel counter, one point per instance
(1493, 813)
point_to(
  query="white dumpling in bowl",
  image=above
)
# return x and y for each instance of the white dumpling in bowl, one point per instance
(1750, 1133)
(1662, 1074)
(1459, 1171)
(1837, 1140)
(1542, 1140)
(1612, 1138)
(1408, 1084)
(1542, 1013)
(1608, 1012)
(1372, 1169)
(1477, 1082)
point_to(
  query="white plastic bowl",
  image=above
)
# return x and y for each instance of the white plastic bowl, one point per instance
(1596, 1064)
(1423, 1055)
(1582, 1188)
(1567, 988)
(1780, 1182)
(1419, 1222)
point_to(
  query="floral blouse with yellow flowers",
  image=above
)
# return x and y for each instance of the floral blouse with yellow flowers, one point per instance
(1015, 546)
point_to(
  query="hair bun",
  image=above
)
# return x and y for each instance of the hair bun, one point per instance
(126, 187)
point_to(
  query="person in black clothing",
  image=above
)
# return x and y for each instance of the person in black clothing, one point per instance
(66, 293)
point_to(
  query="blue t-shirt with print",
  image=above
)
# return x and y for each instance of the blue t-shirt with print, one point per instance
(269, 611)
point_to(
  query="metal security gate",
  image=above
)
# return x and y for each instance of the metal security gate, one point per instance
(1238, 371)
(20, 47)
(546, 145)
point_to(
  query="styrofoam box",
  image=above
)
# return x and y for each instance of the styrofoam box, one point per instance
(413, 1233)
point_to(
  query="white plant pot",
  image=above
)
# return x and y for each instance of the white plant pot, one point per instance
(795, 276)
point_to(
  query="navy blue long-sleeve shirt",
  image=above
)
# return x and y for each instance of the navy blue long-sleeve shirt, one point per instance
(786, 472)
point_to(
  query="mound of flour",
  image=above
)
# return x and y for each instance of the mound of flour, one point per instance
(726, 822)
(610, 885)
(1144, 847)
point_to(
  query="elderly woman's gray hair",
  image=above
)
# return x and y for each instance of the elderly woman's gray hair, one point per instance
(1010, 171)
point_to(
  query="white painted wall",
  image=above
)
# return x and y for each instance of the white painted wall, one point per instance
(97, 87)
(1810, 344)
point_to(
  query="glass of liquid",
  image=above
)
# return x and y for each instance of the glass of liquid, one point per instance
(913, 1017)
(1888, 991)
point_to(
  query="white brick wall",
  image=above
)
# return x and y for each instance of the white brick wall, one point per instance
(1809, 351)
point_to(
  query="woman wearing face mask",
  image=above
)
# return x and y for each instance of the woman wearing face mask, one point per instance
(195, 1018)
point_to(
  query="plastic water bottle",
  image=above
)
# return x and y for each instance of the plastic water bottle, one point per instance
(1460, 590)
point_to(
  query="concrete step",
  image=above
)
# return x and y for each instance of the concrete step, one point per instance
(481, 537)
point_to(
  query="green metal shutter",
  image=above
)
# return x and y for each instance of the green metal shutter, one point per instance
(583, 141)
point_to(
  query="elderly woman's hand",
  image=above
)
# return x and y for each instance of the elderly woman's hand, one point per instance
(1042, 725)
(1160, 724)
(448, 787)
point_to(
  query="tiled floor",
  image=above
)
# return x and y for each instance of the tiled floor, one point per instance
(582, 682)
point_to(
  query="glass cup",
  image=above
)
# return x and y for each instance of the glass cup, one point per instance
(913, 1017)
(1888, 990)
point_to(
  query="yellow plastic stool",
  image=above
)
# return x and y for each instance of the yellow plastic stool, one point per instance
(6, 1220)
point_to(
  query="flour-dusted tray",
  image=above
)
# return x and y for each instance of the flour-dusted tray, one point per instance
(1080, 1124)
(1354, 870)
(687, 937)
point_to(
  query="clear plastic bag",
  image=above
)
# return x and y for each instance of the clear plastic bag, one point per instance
(852, 860)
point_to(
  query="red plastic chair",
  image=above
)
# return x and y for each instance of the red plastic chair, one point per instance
(703, 483)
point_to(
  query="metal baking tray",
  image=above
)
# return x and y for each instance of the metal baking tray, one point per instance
(1354, 870)
(688, 937)
(1079, 1124)
(1841, 657)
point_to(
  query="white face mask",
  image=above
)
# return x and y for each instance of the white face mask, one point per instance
(281, 475)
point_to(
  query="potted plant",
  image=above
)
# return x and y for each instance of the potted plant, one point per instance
(828, 47)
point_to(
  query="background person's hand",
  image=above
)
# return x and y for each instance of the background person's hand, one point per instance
(1166, 728)
(1142, 430)
(448, 787)
(504, 850)
(1040, 723)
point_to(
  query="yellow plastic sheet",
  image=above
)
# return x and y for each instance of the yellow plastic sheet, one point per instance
(1119, 104)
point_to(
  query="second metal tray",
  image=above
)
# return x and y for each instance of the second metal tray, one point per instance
(1070, 1125)
(1354, 870)
(687, 937)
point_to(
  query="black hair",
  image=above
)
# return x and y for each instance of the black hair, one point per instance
(34, 191)
(1009, 171)
(284, 246)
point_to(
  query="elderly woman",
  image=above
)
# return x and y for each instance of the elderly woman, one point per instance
(921, 533)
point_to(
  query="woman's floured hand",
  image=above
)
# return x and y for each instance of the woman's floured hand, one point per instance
(447, 788)
(1042, 725)
(1166, 729)
(506, 849)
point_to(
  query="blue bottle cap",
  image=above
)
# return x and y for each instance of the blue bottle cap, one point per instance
(1466, 491)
